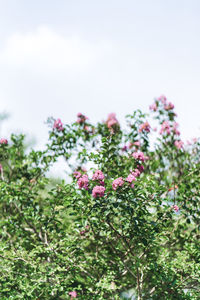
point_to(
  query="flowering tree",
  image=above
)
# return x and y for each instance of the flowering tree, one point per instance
(127, 218)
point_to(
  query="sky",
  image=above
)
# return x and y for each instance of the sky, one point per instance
(58, 58)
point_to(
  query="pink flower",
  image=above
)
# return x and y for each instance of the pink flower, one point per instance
(137, 143)
(140, 156)
(175, 207)
(117, 182)
(73, 294)
(3, 141)
(77, 174)
(111, 123)
(136, 173)
(98, 191)
(175, 126)
(169, 106)
(112, 120)
(145, 127)
(165, 127)
(1, 168)
(83, 182)
(140, 168)
(130, 145)
(162, 99)
(130, 178)
(58, 125)
(179, 144)
(98, 175)
(153, 107)
(81, 118)
(124, 148)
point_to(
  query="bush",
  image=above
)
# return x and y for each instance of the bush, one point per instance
(126, 219)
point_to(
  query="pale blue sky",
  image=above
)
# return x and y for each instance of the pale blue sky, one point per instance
(61, 57)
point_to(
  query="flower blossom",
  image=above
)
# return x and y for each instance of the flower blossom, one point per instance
(124, 148)
(81, 118)
(112, 120)
(98, 191)
(179, 144)
(3, 141)
(140, 156)
(73, 294)
(131, 178)
(137, 143)
(175, 207)
(136, 173)
(165, 127)
(153, 107)
(117, 182)
(169, 106)
(145, 127)
(83, 182)
(175, 126)
(77, 174)
(140, 168)
(58, 125)
(162, 99)
(98, 175)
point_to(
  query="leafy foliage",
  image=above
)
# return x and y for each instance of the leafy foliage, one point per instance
(133, 226)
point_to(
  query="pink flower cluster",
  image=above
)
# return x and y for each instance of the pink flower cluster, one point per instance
(162, 99)
(98, 175)
(179, 144)
(81, 118)
(58, 125)
(165, 127)
(125, 148)
(137, 143)
(140, 156)
(169, 106)
(140, 168)
(117, 182)
(175, 128)
(3, 141)
(83, 182)
(98, 191)
(77, 174)
(112, 120)
(73, 294)
(166, 105)
(144, 127)
(131, 178)
(153, 107)
(175, 207)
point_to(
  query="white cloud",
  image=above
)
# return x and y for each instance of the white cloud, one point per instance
(45, 49)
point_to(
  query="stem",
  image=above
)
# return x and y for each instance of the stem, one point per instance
(138, 285)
